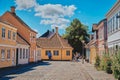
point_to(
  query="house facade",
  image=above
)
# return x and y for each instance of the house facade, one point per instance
(22, 50)
(102, 37)
(56, 45)
(93, 48)
(7, 44)
(113, 23)
(24, 30)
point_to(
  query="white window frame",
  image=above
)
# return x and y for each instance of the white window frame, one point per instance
(67, 53)
(2, 54)
(56, 53)
(14, 35)
(8, 54)
(9, 34)
(20, 53)
(3, 32)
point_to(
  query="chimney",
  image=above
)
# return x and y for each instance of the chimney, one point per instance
(56, 29)
(13, 9)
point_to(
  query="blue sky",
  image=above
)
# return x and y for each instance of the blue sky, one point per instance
(42, 15)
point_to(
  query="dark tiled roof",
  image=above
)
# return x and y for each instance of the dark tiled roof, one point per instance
(47, 34)
(21, 40)
(55, 41)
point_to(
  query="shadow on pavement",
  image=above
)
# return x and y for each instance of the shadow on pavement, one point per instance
(6, 72)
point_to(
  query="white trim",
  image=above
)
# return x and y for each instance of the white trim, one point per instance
(4, 45)
(22, 46)
(7, 25)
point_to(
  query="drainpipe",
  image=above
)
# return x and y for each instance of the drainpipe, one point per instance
(61, 54)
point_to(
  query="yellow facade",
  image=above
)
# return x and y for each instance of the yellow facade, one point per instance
(62, 54)
(7, 46)
(92, 54)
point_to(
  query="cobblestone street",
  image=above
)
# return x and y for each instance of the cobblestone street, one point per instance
(53, 70)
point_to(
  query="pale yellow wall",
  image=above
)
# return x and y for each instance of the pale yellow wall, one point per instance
(62, 54)
(8, 62)
(92, 54)
(7, 41)
(7, 44)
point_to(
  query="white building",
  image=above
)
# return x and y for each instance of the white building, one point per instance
(113, 23)
(22, 52)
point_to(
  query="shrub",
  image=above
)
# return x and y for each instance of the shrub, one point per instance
(97, 62)
(108, 66)
(106, 63)
(116, 65)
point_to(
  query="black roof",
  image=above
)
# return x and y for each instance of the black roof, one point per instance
(47, 34)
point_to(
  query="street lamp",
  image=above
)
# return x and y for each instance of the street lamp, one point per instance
(83, 51)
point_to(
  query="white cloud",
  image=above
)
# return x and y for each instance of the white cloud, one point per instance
(51, 14)
(54, 10)
(54, 14)
(55, 21)
(25, 4)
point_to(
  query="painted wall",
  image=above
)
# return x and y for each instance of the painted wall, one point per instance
(7, 44)
(38, 54)
(23, 59)
(62, 54)
(92, 54)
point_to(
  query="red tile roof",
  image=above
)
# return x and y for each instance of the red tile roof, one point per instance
(56, 41)
(21, 40)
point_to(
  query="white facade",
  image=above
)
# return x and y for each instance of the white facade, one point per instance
(113, 23)
(23, 54)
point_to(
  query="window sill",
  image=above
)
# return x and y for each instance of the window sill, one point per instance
(8, 59)
(3, 39)
(2, 59)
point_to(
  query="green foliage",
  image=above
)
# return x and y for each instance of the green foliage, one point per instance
(75, 33)
(116, 65)
(106, 63)
(97, 62)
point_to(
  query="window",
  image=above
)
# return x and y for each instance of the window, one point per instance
(56, 53)
(68, 53)
(26, 53)
(23, 53)
(116, 21)
(14, 35)
(47, 52)
(20, 53)
(8, 54)
(2, 54)
(9, 34)
(3, 32)
(38, 53)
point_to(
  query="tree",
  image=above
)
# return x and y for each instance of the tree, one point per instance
(76, 33)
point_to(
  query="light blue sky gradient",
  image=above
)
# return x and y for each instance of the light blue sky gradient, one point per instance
(87, 11)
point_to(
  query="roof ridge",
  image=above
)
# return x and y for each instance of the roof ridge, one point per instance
(60, 40)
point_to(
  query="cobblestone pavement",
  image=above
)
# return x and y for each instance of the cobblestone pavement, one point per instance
(57, 70)
(97, 75)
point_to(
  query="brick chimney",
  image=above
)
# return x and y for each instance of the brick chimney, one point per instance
(13, 9)
(56, 29)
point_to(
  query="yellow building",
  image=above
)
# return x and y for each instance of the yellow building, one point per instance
(93, 44)
(93, 52)
(52, 42)
(7, 44)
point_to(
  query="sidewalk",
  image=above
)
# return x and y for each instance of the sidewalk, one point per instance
(97, 75)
